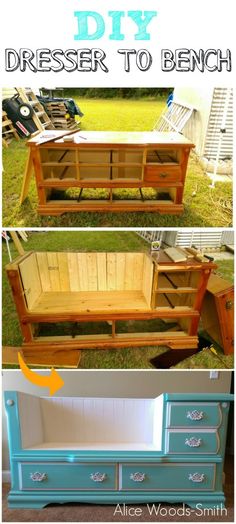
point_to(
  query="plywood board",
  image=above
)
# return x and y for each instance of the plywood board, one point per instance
(56, 358)
(175, 255)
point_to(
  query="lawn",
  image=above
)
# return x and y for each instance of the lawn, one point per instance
(204, 207)
(100, 241)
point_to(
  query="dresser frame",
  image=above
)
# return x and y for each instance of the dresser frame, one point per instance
(132, 476)
(109, 160)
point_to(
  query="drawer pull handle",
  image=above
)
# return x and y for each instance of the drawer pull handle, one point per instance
(98, 477)
(38, 477)
(196, 477)
(137, 477)
(193, 442)
(163, 175)
(229, 304)
(195, 415)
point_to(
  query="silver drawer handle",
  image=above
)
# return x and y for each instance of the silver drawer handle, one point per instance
(196, 477)
(195, 415)
(193, 442)
(98, 477)
(38, 477)
(137, 477)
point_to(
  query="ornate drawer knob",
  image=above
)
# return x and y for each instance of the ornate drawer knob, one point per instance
(98, 477)
(163, 175)
(229, 304)
(196, 477)
(193, 442)
(137, 477)
(10, 402)
(38, 477)
(195, 415)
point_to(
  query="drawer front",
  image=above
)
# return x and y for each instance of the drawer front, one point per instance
(197, 414)
(162, 174)
(192, 442)
(171, 477)
(45, 476)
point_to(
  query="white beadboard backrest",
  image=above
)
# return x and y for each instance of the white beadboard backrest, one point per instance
(30, 420)
(97, 420)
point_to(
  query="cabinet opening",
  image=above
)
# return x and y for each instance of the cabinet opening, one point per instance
(163, 156)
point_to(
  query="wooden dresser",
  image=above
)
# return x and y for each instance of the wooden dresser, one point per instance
(138, 171)
(80, 288)
(107, 451)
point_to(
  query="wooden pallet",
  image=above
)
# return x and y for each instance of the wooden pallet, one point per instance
(57, 111)
(40, 117)
(8, 130)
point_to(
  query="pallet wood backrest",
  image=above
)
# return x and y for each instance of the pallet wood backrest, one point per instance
(88, 271)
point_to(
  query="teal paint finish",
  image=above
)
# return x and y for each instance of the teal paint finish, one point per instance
(179, 414)
(167, 477)
(73, 476)
(30, 501)
(206, 442)
(169, 485)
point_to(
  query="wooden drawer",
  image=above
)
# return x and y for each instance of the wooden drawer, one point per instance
(197, 414)
(171, 477)
(197, 442)
(47, 476)
(162, 174)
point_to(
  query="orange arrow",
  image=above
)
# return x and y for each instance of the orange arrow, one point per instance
(52, 381)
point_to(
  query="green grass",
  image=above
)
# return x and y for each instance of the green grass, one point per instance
(208, 208)
(100, 241)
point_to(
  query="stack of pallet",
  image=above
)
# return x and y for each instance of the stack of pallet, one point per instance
(8, 130)
(59, 116)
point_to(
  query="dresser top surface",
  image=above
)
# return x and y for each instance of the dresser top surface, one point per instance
(55, 138)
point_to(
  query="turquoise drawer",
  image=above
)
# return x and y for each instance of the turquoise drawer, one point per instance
(170, 477)
(46, 476)
(181, 414)
(197, 442)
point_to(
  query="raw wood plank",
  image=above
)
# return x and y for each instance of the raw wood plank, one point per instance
(44, 271)
(111, 271)
(91, 301)
(17, 242)
(129, 271)
(92, 271)
(102, 271)
(148, 268)
(120, 271)
(175, 255)
(67, 358)
(53, 271)
(63, 272)
(83, 271)
(30, 279)
(138, 271)
(73, 271)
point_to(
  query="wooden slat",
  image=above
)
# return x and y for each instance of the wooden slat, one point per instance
(120, 271)
(83, 271)
(148, 269)
(73, 271)
(92, 271)
(102, 271)
(53, 271)
(63, 272)
(43, 271)
(111, 271)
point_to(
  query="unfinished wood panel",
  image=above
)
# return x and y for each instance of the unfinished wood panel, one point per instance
(91, 301)
(82, 271)
(63, 272)
(73, 271)
(138, 271)
(111, 271)
(44, 271)
(120, 270)
(129, 271)
(102, 271)
(53, 271)
(30, 279)
(148, 268)
(92, 271)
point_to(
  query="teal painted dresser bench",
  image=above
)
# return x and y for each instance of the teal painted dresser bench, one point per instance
(102, 450)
